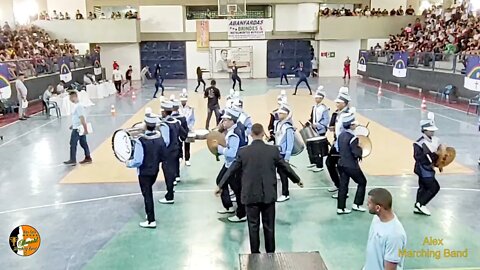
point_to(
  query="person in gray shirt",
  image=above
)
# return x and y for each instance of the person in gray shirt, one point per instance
(387, 238)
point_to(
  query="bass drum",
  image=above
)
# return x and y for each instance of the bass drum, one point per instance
(123, 143)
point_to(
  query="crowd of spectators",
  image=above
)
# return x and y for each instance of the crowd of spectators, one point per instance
(31, 51)
(366, 12)
(444, 32)
(91, 15)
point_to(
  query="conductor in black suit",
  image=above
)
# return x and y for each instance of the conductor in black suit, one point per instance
(257, 164)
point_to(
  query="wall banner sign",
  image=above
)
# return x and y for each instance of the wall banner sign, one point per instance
(246, 29)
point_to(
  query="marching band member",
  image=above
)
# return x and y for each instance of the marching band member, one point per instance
(244, 118)
(182, 135)
(319, 119)
(229, 123)
(350, 154)
(284, 138)
(281, 99)
(424, 153)
(189, 114)
(336, 126)
(170, 130)
(149, 151)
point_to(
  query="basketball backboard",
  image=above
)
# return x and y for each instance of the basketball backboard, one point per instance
(232, 7)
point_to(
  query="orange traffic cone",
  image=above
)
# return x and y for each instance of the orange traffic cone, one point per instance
(112, 110)
(133, 95)
(379, 93)
(424, 104)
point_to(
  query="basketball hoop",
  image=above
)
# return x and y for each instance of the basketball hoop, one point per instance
(232, 8)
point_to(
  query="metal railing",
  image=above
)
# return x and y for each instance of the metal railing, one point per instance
(447, 62)
(38, 66)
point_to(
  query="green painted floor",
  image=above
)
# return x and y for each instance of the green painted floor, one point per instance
(190, 235)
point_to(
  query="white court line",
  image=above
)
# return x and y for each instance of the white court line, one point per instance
(26, 133)
(387, 109)
(109, 114)
(17, 121)
(197, 191)
(439, 114)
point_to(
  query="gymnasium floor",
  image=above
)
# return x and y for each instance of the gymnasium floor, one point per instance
(88, 216)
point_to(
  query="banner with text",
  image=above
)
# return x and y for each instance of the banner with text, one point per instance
(203, 35)
(472, 74)
(246, 29)
(5, 89)
(400, 64)
(65, 73)
(362, 61)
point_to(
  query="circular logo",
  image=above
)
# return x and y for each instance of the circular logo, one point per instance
(24, 240)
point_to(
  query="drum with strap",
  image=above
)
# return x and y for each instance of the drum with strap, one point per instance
(307, 132)
(123, 143)
(298, 145)
(318, 146)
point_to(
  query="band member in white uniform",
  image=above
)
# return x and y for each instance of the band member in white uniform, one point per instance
(244, 118)
(189, 114)
(424, 152)
(319, 119)
(348, 166)
(284, 138)
(342, 102)
(281, 99)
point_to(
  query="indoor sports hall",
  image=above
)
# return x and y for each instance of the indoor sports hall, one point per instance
(120, 76)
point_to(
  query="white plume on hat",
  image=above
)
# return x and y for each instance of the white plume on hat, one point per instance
(237, 94)
(184, 90)
(148, 110)
(320, 88)
(283, 92)
(352, 110)
(172, 97)
(232, 91)
(431, 116)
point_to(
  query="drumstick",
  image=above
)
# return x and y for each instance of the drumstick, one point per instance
(367, 124)
(301, 124)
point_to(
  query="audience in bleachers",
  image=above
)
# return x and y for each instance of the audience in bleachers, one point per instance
(31, 50)
(365, 12)
(449, 31)
(91, 15)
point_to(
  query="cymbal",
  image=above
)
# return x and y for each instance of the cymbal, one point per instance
(446, 157)
(214, 135)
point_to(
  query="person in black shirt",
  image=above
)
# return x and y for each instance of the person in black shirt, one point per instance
(200, 78)
(128, 77)
(235, 77)
(410, 10)
(213, 95)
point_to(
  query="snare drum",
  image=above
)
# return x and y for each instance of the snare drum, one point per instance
(318, 146)
(191, 137)
(201, 134)
(362, 131)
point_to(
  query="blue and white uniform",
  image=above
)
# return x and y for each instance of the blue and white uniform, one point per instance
(149, 152)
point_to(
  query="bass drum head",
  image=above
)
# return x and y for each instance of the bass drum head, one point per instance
(122, 145)
(362, 131)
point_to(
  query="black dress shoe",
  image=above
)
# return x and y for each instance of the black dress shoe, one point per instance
(22, 118)
(70, 163)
